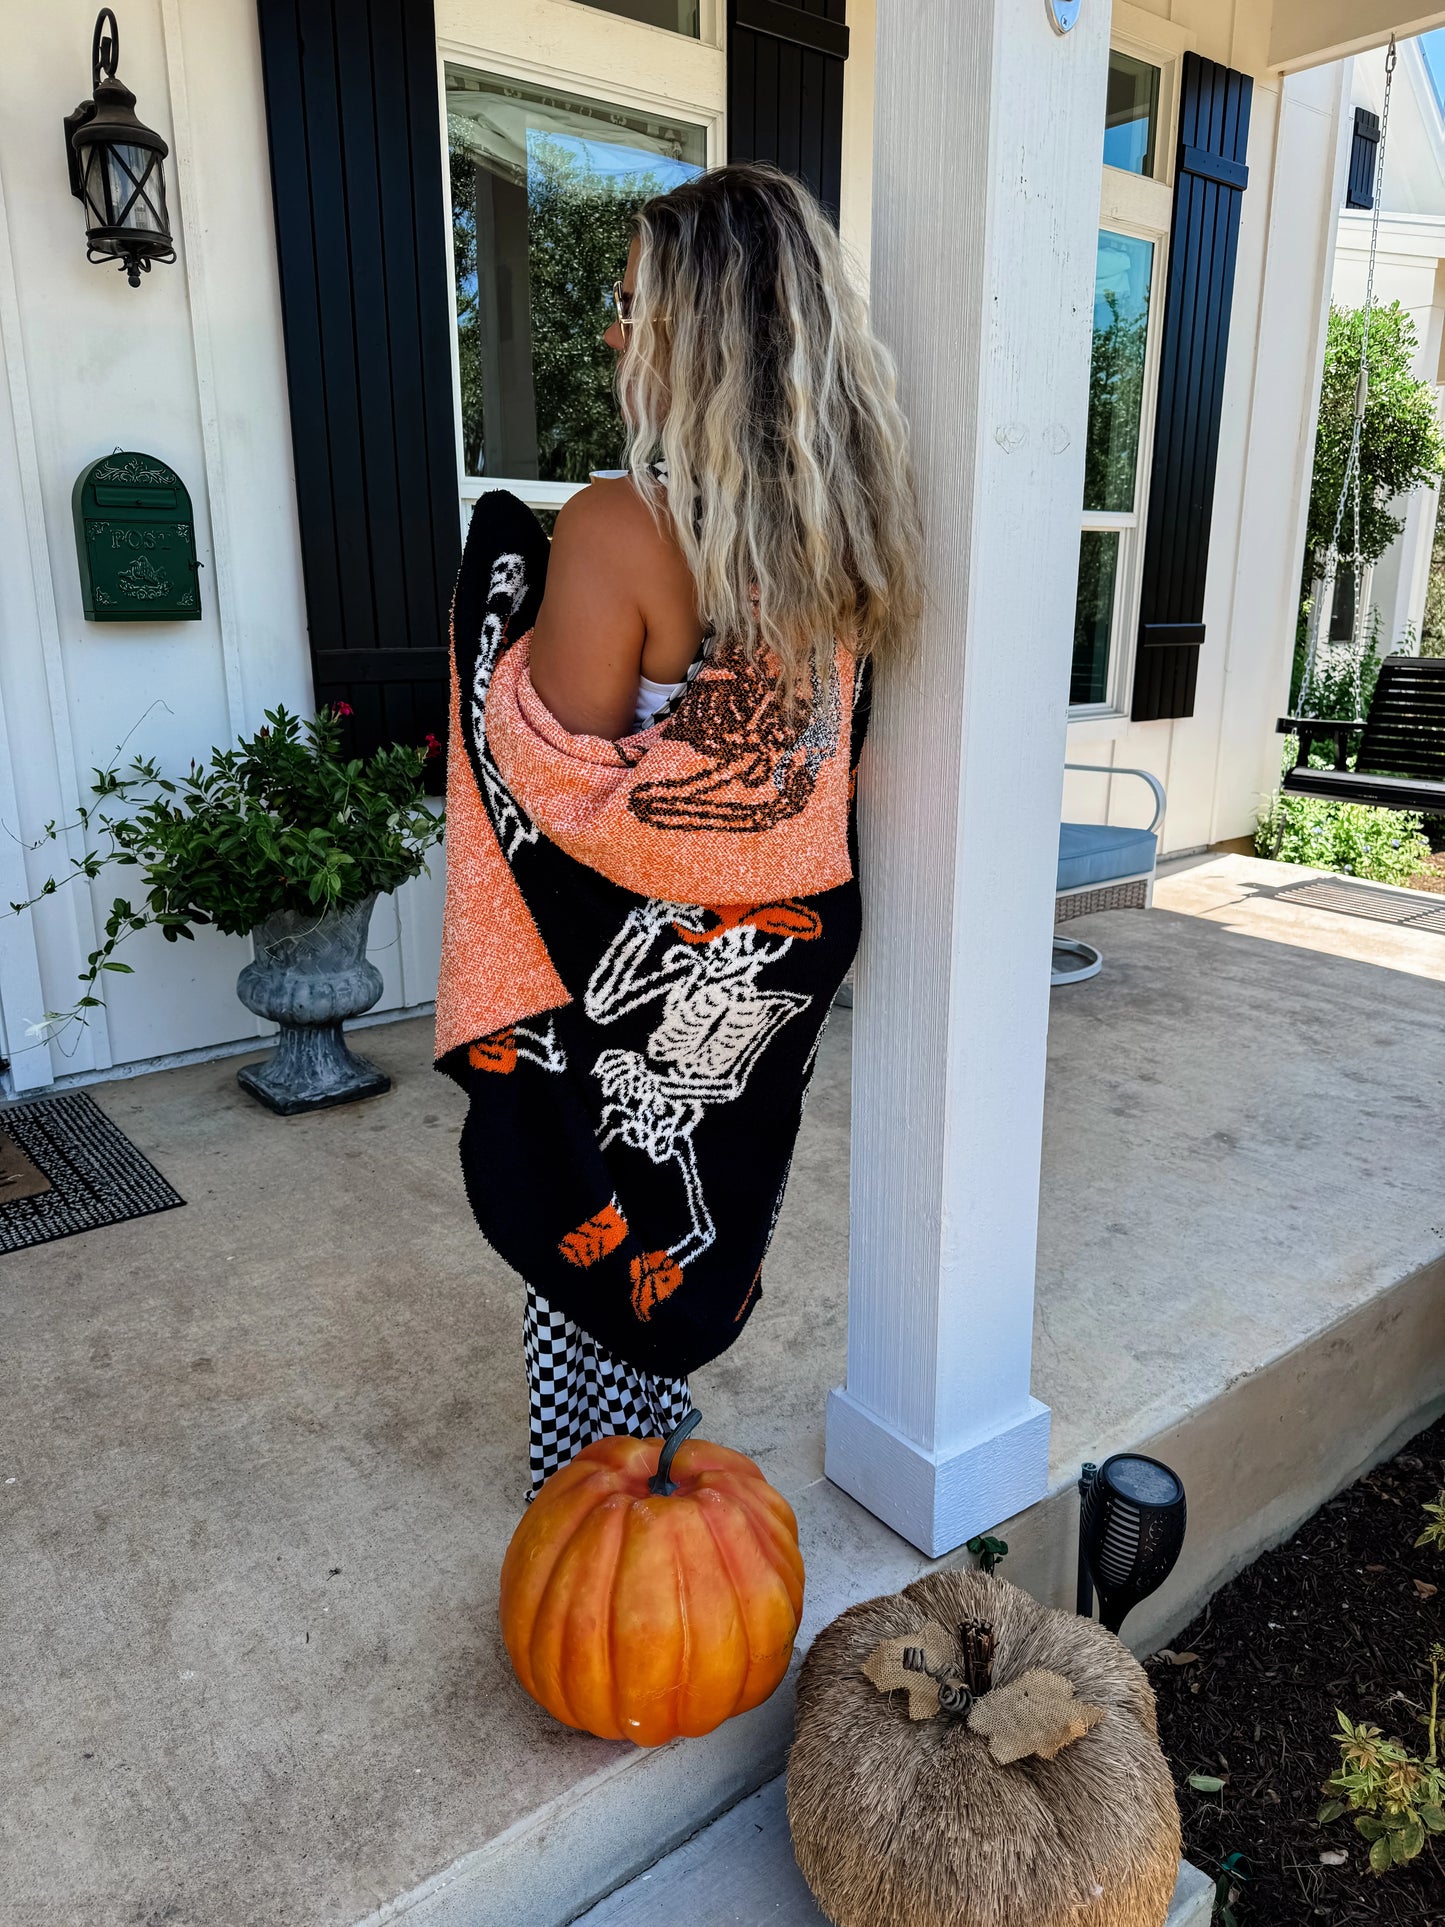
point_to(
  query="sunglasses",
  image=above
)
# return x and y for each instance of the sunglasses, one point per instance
(622, 307)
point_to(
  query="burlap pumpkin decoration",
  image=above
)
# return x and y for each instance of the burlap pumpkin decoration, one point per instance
(901, 1822)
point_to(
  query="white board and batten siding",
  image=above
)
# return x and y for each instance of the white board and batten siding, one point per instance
(1218, 764)
(188, 367)
(191, 368)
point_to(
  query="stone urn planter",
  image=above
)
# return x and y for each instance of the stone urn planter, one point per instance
(309, 974)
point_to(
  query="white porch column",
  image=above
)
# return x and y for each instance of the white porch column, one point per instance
(988, 156)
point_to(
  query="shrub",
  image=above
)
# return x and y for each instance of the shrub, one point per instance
(1382, 846)
(284, 821)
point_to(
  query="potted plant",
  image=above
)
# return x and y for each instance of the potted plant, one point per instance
(283, 837)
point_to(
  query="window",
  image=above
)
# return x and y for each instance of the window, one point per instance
(678, 16)
(1133, 240)
(1131, 115)
(559, 120)
(1122, 282)
(544, 185)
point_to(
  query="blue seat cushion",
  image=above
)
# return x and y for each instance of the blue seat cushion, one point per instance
(1101, 853)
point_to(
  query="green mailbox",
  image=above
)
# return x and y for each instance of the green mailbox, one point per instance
(136, 541)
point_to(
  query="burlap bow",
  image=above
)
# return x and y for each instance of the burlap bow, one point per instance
(947, 1675)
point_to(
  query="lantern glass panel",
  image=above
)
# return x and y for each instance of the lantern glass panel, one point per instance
(131, 193)
(94, 184)
(125, 187)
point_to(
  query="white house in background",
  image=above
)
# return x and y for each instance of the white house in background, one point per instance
(1410, 269)
(358, 337)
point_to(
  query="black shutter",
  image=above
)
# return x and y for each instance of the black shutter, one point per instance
(1209, 185)
(785, 89)
(1364, 152)
(356, 180)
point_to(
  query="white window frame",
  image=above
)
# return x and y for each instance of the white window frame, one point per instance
(602, 56)
(1140, 207)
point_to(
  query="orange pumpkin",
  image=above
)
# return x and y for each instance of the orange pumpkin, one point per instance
(653, 1590)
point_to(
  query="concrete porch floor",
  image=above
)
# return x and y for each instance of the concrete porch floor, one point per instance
(259, 1457)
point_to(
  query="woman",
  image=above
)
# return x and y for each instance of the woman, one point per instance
(651, 866)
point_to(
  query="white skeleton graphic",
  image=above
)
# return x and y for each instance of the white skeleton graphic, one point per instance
(714, 1025)
(540, 1046)
(505, 590)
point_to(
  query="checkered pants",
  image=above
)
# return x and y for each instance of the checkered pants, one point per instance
(579, 1392)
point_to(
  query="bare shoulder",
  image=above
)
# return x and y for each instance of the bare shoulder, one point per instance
(588, 638)
(608, 523)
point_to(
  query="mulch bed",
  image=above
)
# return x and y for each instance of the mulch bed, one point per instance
(1332, 1619)
(1432, 877)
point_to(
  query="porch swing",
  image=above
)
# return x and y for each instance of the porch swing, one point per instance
(1400, 761)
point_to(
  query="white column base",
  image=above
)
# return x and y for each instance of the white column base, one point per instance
(936, 1502)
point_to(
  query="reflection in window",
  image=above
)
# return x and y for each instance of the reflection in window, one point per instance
(1131, 116)
(678, 16)
(1094, 616)
(544, 188)
(1116, 370)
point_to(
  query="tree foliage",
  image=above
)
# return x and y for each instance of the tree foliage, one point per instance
(1116, 395)
(579, 224)
(1400, 443)
(1432, 629)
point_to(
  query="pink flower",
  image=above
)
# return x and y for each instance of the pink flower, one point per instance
(433, 745)
(343, 709)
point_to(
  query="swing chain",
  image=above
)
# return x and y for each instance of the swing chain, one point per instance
(1350, 486)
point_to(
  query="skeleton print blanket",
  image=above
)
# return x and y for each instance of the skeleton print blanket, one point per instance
(640, 945)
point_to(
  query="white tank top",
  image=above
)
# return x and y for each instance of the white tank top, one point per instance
(651, 696)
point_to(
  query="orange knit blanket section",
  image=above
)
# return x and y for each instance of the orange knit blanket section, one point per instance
(725, 803)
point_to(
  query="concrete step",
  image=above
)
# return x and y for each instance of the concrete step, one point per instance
(1240, 1271)
(740, 1872)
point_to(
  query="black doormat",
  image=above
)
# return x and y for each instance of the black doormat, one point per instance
(96, 1174)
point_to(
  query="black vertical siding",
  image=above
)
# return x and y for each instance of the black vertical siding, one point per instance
(356, 178)
(785, 89)
(1364, 155)
(1208, 189)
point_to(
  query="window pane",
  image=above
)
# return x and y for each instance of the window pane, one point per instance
(1094, 615)
(1131, 116)
(679, 16)
(1116, 371)
(544, 187)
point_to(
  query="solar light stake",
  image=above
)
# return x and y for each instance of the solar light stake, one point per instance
(1131, 1529)
(1086, 1583)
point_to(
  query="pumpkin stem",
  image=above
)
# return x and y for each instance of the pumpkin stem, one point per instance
(661, 1481)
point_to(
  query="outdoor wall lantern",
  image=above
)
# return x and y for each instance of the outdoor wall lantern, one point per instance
(1131, 1529)
(116, 167)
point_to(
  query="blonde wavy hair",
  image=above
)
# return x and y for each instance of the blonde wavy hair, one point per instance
(750, 370)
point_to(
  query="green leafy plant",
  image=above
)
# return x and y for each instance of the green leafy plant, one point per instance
(1227, 1886)
(283, 821)
(1432, 629)
(1400, 442)
(1434, 1533)
(1383, 846)
(1396, 1799)
(1345, 673)
(987, 1550)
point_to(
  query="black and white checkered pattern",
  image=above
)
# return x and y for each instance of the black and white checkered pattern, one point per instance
(579, 1392)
